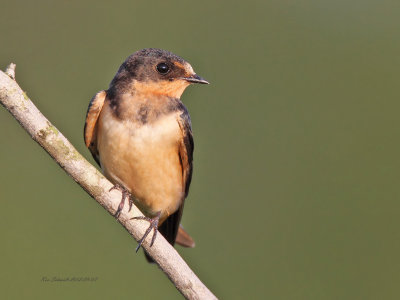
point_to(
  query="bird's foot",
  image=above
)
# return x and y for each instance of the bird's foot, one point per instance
(125, 194)
(153, 225)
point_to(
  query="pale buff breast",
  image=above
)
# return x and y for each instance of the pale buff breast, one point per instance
(143, 158)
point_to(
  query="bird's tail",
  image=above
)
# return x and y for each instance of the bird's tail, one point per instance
(182, 238)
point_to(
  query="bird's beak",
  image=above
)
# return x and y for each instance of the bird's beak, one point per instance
(196, 79)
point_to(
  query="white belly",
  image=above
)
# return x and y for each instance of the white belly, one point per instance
(144, 159)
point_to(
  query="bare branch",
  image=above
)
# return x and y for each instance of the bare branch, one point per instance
(10, 71)
(95, 184)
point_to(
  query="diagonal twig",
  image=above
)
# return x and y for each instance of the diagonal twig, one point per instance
(13, 98)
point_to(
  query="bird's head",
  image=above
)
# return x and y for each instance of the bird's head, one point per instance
(155, 71)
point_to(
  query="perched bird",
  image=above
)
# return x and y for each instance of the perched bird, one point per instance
(140, 133)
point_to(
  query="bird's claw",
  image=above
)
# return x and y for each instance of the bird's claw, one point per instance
(125, 194)
(153, 225)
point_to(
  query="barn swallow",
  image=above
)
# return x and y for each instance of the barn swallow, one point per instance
(140, 133)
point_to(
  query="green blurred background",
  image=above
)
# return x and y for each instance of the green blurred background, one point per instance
(295, 193)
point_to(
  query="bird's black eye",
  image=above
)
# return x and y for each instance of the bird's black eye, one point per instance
(162, 68)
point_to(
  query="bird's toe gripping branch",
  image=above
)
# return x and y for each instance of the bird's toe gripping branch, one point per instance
(153, 225)
(125, 194)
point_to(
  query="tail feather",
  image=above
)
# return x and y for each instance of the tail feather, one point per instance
(182, 238)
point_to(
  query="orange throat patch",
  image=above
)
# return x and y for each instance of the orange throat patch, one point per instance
(167, 88)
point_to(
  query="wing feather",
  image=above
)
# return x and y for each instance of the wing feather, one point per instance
(169, 229)
(90, 130)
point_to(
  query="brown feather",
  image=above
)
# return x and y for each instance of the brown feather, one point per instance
(184, 239)
(90, 130)
(169, 229)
